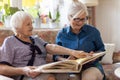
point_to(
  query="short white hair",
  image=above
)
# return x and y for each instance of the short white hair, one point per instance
(17, 19)
(76, 8)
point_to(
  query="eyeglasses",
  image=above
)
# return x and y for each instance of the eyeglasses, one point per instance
(80, 19)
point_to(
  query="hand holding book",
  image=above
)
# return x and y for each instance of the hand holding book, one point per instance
(78, 54)
(83, 55)
(67, 66)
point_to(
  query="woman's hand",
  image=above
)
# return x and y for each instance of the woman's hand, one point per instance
(29, 71)
(71, 58)
(81, 54)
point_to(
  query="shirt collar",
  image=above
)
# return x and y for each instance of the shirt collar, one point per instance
(84, 28)
(69, 29)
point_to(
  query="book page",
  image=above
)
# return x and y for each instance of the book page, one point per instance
(67, 65)
(59, 66)
(60, 69)
(90, 58)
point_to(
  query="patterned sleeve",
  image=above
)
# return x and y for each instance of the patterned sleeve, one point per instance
(6, 53)
(40, 40)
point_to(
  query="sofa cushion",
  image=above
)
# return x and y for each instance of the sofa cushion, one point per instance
(48, 35)
(108, 58)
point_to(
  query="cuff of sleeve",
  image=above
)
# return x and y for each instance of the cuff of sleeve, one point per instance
(6, 63)
(45, 44)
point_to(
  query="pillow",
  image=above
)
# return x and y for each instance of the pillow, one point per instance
(107, 59)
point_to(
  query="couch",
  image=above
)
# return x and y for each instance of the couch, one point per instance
(49, 36)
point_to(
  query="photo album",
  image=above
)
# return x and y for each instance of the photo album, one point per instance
(68, 66)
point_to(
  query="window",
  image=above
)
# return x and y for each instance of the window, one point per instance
(48, 13)
(45, 12)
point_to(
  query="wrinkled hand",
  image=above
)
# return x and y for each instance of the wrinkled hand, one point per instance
(71, 58)
(91, 53)
(29, 71)
(81, 54)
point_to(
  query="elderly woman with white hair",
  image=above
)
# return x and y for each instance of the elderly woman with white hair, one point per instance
(84, 37)
(21, 52)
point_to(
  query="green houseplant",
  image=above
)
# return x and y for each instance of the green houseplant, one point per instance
(57, 16)
(54, 22)
(6, 10)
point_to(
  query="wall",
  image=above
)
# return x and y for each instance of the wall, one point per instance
(108, 21)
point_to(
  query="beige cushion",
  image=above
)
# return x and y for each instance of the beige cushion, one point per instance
(107, 59)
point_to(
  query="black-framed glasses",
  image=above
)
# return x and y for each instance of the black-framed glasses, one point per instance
(80, 19)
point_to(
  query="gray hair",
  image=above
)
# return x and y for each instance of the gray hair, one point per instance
(76, 8)
(17, 20)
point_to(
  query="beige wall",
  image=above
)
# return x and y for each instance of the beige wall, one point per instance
(108, 21)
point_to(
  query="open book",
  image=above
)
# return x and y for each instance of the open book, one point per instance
(68, 66)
